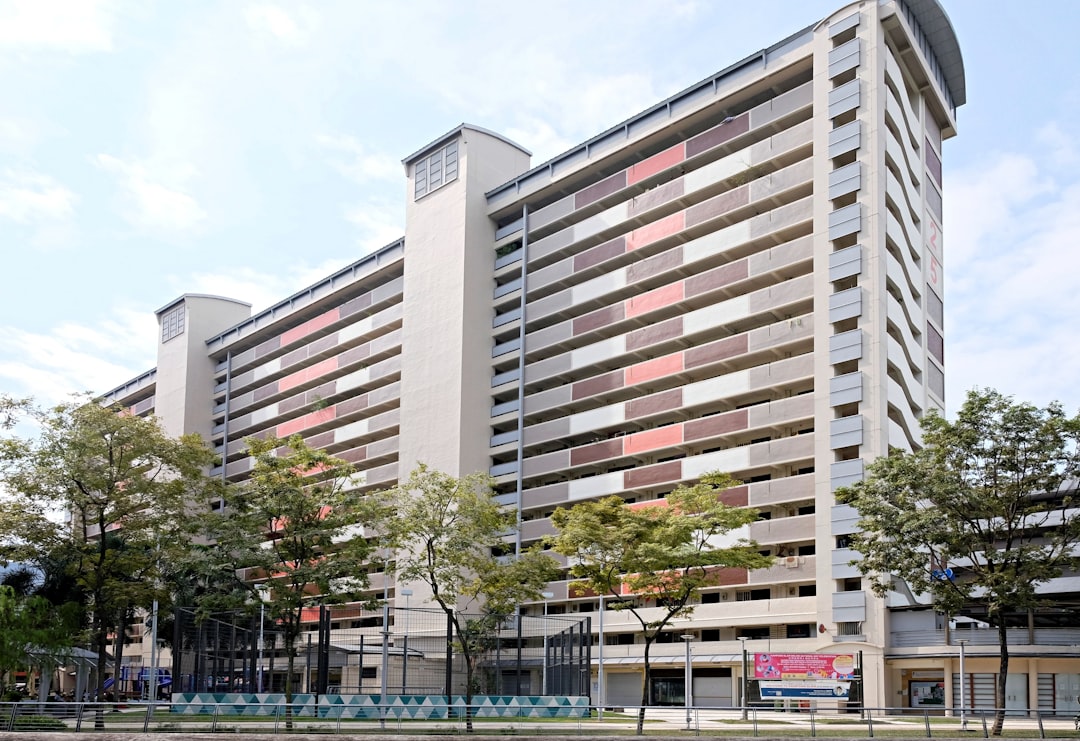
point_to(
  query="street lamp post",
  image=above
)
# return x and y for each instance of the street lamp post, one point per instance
(263, 590)
(744, 684)
(963, 700)
(688, 692)
(405, 641)
(544, 671)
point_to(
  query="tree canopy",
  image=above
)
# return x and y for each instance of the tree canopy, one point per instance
(122, 484)
(664, 551)
(294, 534)
(980, 517)
(450, 535)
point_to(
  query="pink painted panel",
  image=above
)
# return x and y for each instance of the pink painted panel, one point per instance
(655, 299)
(311, 325)
(308, 420)
(661, 437)
(303, 376)
(655, 368)
(655, 231)
(656, 163)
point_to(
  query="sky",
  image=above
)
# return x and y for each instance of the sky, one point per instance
(248, 148)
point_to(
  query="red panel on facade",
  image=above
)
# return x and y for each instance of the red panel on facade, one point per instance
(718, 424)
(656, 163)
(311, 325)
(597, 385)
(656, 368)
(654, 404)
(303, 376)
(656, 299)
(736, 496)
(596, 452)
(302, 423)
(661, 437)
(670, 471)
(655, 231)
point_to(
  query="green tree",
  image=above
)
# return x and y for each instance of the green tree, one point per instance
(32, 629)
(124, 485)
(662, 552)
(296, 526)
(990, 496)
(450, 534)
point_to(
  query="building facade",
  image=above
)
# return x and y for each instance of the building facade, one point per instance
(745, 277)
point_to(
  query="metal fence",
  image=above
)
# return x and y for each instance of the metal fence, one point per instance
(345, 649)
(41, 720)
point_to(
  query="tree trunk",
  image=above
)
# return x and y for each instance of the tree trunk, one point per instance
(644, 689)
(101, 639)
(470, 673)
(290, 653)
(1003, 676)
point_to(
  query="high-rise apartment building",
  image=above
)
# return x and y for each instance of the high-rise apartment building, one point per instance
(745, 277)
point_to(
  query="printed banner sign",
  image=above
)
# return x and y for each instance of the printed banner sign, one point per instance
(812, 688)
(804, 666)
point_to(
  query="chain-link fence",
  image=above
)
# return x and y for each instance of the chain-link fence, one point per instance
(389, 651)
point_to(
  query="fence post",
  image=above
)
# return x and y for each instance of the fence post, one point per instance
(449, 657)
(322, 678)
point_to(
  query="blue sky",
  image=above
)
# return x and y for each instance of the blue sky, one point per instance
(247, 148)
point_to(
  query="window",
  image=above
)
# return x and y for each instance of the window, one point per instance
(435, 170)
(172, 323)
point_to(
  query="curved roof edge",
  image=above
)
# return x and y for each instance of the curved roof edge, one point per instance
(180, 298)
(435, 144)
(939, 31)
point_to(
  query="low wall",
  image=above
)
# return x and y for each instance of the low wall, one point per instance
(373, 707)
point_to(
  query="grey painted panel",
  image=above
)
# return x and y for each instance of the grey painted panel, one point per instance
(844, 180)
(510, 259)
(547, 367)
(506, 288)
(844, 98)
(845, 304)
(547, 430)
(506, 406)
(509, 229)
(549, 274)
(844, 57)
(845, 432)
(550, 244)
(838, 27)
(504, 437)
(506, 317)
(845, 473)
(505, 347)
(782, 105)
(549, 304)
(845, 518)
(387, 290)
(506, 377)
(844, 221)
(507, 499)
(842, 566)
(549, 335)
(845, 263)
(503, 468)
(556, 461)
(849, 607)
(846, 389)
(845, 138)
(548, 399)
(550, 213)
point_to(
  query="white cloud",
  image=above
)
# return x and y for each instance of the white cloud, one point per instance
(74, 357)
(380, 223)
(73, 26)
(28, 197)
(1011, 299)
(152, 204)
(361, 165)
(287, 29)
(259, 289)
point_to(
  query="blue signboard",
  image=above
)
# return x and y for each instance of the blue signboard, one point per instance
(812, 688)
